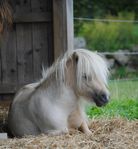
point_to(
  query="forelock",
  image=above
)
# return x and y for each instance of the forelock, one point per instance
(89, 63)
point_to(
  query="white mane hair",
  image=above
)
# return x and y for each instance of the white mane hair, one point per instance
(88, 63)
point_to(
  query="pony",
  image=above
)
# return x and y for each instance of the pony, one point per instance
(55, 104)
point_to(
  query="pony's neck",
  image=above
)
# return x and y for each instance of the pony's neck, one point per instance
(56, 77)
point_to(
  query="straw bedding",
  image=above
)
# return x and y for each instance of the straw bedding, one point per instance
(114, 133)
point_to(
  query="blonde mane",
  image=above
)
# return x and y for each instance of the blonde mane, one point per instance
(90, 63)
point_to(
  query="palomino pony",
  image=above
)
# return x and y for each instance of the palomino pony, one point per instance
(54, 104)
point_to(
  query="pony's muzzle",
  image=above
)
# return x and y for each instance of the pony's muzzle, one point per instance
(101, 99)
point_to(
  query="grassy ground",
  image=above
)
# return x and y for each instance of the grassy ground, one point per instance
(123, 103)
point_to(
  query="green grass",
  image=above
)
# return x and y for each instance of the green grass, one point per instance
(123, 103)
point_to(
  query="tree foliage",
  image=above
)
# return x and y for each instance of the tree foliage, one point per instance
(101, 8)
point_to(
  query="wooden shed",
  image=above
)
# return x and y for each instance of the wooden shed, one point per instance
(41, 31)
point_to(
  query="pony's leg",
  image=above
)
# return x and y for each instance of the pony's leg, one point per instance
(84, 128)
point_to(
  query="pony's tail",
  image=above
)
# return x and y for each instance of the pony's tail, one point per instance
(6, 18)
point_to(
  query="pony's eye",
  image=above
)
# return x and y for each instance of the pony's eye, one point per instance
(84, 76)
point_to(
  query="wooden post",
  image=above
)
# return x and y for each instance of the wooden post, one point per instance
(62, 26)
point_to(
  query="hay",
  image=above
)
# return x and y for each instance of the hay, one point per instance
(114, 133)
(6, 18)
(4, 108)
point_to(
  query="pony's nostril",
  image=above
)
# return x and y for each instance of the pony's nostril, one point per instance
(104, 97)
(100, 99)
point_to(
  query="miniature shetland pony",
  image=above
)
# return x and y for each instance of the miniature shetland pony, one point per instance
(54, 104)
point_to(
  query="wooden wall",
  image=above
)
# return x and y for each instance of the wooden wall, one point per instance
(42, 30)
(27, 46)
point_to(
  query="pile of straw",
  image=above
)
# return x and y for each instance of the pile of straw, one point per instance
(114, 133)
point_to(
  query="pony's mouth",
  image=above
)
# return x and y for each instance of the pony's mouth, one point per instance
(101, 100)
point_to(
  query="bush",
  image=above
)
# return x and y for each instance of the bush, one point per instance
(110, 36)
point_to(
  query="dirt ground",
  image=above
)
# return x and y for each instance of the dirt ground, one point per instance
(114, 133)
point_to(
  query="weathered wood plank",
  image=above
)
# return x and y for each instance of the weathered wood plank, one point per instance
(49, 5)
(44, 44)
(23, 6)
(36, 50)
(24, 53)
(11, 57)
(10, 60)
(8, 57)
(20, 53)
(35, 6)
(39, 5)
(40, 54)
(32, 17)
(24, 41)
(63, 26)
(30, 11)
(9, 88)
(3, 57)
(44, 5)
(50, 43)
(28, 53)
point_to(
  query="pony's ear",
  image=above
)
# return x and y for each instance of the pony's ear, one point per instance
(75, 57)
(72, 60)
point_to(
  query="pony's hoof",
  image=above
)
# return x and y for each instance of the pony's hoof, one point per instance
(88, 133)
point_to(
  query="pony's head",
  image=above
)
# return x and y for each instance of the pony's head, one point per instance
(84, 71)
(87, 73)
